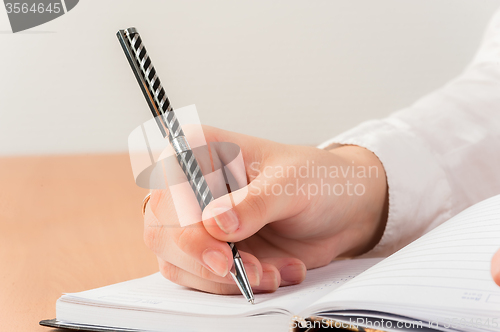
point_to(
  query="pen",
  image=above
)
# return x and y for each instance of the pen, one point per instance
(164, 114)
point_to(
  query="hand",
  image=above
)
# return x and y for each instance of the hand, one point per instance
(283, 226)
(495, 267)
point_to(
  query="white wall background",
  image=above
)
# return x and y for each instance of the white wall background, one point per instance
(294, 71)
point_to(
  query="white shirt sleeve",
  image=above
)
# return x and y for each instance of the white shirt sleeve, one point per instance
(442, 154)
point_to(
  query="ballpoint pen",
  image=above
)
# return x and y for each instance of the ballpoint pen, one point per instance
(164, 114)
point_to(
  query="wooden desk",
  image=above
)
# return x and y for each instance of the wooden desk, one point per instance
(67, 224)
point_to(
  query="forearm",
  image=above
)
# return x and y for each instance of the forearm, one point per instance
(441, 154)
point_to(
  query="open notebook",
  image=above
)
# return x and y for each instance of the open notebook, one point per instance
(440, 281)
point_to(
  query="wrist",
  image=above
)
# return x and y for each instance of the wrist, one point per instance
(370, 210)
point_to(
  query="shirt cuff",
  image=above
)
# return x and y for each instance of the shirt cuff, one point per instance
(419, 192)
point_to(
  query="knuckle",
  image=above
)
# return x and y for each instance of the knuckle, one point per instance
(185, 240)
(158, 196)
(170, 272)
(223, 289)
(153, 238)
(204, 272)
(257, 205)
(150, 236)
(322, 260)
(162, 206)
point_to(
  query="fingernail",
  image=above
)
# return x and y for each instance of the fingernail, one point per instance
(269, 281)
(226, 219)
(252, 274)
(216, 261)
(293, 274)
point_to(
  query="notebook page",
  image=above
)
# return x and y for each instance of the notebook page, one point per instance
(447, 269)
(155, 293)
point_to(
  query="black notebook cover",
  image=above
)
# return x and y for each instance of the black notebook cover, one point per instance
(80, 327)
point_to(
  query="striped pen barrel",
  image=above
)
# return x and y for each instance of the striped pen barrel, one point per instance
(169, 126)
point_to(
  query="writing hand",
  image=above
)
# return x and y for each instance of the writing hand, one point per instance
(289, 221)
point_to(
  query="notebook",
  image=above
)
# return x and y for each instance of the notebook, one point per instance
(439, 282)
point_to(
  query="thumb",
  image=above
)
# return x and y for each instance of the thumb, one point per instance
(239, 215)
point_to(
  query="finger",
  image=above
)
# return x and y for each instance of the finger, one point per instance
(184, 278)
(227, 158)
(292, 270)
(164, 236)
(495, 267)
(269, 283)
(193, 249)
(250, 146)
(239, 215)
(270, 279)
(181, 260)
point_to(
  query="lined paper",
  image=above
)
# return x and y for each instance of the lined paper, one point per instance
(446, 270)
(155, 293)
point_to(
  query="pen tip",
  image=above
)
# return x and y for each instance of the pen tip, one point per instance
(251, 301)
